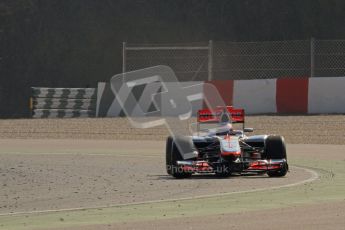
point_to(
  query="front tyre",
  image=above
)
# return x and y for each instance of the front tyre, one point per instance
(172, 156)
(275, 149)
(280, 173)
(168, 157)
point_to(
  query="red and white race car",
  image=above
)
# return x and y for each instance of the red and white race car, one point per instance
(224, 150)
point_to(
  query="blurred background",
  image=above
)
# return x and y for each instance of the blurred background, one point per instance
(64, 43)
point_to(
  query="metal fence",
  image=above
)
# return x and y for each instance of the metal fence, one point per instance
(329, 58)
(241, 60)
(190, 62)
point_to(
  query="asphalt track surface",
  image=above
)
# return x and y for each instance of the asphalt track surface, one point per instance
(63, 181)
(84, 184)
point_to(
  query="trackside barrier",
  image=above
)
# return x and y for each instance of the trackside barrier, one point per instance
(283, 95)
(63, 102)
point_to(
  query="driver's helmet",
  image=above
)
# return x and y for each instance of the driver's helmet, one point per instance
(225, 129)
(225, 125)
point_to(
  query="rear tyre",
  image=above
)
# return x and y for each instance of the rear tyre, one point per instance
(172, 156)
(275, 149)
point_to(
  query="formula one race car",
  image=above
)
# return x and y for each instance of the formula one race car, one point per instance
(223, 150)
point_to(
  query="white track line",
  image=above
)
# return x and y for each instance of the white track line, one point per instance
(314, 176)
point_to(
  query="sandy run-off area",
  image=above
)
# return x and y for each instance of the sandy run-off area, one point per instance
(105, 174)
(323, 129)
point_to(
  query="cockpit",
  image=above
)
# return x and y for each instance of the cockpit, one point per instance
(225, 129)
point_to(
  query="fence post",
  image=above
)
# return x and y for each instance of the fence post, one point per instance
(210, 60)
(312, 57)
(123, 59)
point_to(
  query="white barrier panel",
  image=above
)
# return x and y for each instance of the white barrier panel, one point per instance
(255, 96)
(326, 95)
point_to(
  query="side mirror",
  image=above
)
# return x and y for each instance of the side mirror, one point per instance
(248, 130)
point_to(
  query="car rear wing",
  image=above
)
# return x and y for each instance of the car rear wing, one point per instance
(215, 115)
